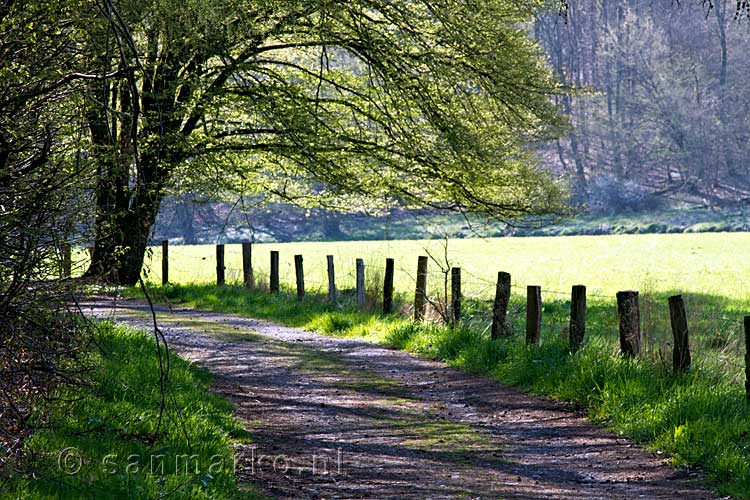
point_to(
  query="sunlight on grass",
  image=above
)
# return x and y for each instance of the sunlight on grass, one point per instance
(689, 263)
(110, 433)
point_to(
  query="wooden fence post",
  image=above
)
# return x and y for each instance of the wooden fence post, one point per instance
(220, 268)
(678, 319)
(360, 297)
(300, 273)
(67, 260)
(577, 330)
(500, 307)
(420, 294)
(274, 277)
(164, 262)
(247, 264)
(388, 287)
(630, 323)
(331, 280)
(533, 314)
(747, 357)
(455, 295)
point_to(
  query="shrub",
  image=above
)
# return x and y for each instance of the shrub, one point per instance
(608, 195)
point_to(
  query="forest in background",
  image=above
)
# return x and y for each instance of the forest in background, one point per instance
(659, 124)
(663, 105)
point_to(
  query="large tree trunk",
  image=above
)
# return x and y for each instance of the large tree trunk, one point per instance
(130, 186)
(121, 240)
(127, 202)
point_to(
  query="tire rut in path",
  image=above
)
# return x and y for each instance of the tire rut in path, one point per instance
(343, 419)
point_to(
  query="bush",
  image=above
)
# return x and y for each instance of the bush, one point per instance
(608, 195)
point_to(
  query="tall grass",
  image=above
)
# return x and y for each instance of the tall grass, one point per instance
(103, 441)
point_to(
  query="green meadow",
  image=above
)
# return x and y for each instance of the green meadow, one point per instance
(109, 439)
(713, 264)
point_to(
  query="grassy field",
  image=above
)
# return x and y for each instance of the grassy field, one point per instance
(699, 419)
(99, 441)
(711, 264)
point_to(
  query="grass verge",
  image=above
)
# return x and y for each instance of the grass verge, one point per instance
(699, 419)
(102, 441)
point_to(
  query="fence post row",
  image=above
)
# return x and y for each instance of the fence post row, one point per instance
(388, 287)
(164, 262)
(456, 295)
(533, 314)
(628, 310)
(420, 294)
(678, 320)
(500, 307)
(360, 297)
(274, 278)
(220, 268)
(629, 315)
(331, 280)
(247, 264)
(300, 274)
(577, 330)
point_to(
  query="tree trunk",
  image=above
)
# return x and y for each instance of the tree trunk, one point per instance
(121, 240)
(126, 208)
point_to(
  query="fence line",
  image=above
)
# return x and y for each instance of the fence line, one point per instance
(497, 310)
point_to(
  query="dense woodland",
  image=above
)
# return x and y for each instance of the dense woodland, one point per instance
(662, 102)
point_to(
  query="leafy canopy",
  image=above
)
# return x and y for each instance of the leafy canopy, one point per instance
(424, 103)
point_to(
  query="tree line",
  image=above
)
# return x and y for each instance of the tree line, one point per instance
(661, 98)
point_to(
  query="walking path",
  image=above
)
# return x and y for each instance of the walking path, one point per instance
(338, 418)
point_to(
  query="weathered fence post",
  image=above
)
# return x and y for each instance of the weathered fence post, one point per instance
(533, 314)
(331, 280)
(747, 357)
(630, 323)
(500, 307)
(678, 319)
(300, 274)
(164, 262)
(67, 260)
(420, 294)
(360, 297)
(274, 277)
(220, 268)
(388, 287)
(247, 264)
(455, 295)
(577, 330)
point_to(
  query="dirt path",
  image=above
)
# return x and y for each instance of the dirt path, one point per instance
(339, 418)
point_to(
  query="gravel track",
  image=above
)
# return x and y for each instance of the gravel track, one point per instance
(338, 418)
